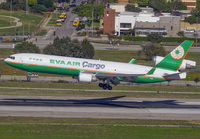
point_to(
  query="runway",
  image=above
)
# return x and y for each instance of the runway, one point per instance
(118, 107)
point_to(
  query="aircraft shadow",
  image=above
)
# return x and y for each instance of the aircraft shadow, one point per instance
(99, 102)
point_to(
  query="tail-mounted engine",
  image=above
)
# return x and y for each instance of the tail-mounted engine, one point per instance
(186, 64)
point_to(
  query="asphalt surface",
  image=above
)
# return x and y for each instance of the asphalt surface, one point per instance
(95, 107)
(66, 29)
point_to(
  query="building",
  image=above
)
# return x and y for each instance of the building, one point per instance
(109, 21)
(167, 26)
(124, 22)
(143, 23)
(118, 7)
(123, 1)
(1, 1)
(191, 4)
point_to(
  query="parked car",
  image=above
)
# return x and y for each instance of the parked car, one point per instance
(189, 30)
(67, 9)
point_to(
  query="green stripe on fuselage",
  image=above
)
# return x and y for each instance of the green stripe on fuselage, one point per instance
(145, 79)
(45, 69)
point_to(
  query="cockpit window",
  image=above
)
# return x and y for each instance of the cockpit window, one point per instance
(12, 57)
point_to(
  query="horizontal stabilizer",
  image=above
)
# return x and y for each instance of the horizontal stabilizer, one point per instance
(176, 76)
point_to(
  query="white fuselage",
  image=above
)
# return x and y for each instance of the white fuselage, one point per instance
(87, 65)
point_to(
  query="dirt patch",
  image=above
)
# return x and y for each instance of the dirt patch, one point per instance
(185, 25)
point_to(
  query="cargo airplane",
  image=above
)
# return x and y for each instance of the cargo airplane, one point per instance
(87, 70)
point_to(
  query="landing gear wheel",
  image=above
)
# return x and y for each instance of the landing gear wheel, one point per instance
(28, 79)
(109, 87)
(100, 85)
(105, 86)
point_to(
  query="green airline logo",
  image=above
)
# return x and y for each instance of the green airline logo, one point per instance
(177, 52)
(35, 59)
(62, 62)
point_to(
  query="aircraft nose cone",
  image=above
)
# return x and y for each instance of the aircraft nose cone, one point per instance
(6, 60)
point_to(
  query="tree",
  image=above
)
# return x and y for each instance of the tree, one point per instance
(38, 8)
(133, 1)
(195, 12)
(70, 48)
(180, 33)
(143, 3)
(191, 19)
(132, 8)
(46, 3)
(16, 5)
(114, 39)
(59, 1)
(158, 5)
(111, 1)
(32, 2)
(87, 49)
(98, 11)
(75, 49)
(26, 47)
(86, 10)
(154, 38)
(178, 5)
(198, 5)
(150, 50)
(196, 80)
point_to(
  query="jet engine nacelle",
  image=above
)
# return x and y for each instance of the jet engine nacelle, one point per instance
(87, 77)
(186, 64)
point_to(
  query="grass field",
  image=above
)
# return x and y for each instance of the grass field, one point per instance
(52, 22)
(159, 91)
(4, 22)
(94, 131)
(33, 19)
(29, 127)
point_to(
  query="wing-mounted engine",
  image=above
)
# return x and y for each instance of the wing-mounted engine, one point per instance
(186, 64)
(87, 77)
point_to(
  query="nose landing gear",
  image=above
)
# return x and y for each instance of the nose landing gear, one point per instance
(31, 75)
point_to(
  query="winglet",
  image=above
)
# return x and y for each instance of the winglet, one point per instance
(132, 61)
(151, 71)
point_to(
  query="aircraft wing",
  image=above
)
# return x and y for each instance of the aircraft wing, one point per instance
(115, 78)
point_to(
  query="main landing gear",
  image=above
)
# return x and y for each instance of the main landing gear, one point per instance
(105, 86)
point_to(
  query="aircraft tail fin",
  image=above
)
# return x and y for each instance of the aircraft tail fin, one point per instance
(174, 59)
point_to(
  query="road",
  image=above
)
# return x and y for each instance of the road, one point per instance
(66, 29)
(42, 43)
(120, 107)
